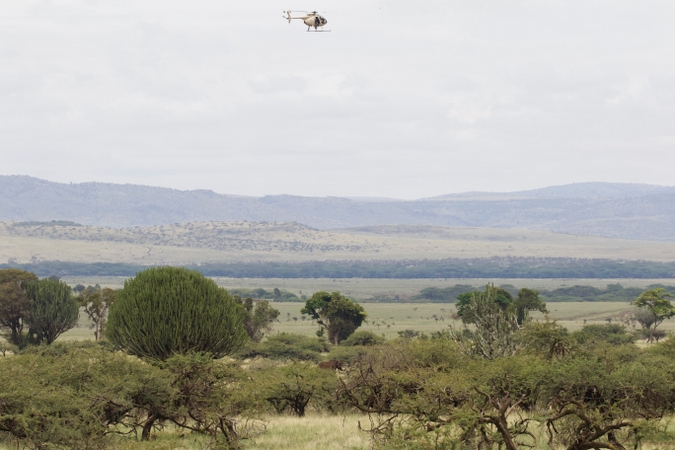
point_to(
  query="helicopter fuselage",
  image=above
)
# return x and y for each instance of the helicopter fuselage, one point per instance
(315, 21)
(312, 19)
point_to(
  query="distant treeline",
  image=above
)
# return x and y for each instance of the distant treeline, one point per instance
(276, 294)
(612, 293)
(496, 267)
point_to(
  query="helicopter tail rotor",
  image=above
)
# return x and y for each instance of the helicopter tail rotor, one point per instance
(287, 16)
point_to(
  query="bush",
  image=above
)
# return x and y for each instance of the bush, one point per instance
(286, 346)
(363, 338)
(348, 355)
(168, 310)
(298, 386)
(71, 398)
(613, 334)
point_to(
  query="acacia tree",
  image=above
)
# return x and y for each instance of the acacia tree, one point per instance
(496, 324)
(96, 303)
(14, 304)
(655, 301)
(53, 311)
(169, 310)
(335, 313)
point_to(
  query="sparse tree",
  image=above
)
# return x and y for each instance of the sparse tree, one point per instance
(259, 318)
(495, 322)
(96, 304)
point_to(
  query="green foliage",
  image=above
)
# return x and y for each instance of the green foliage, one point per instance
(210, 396)
(442, 295)
(96, 303)
(408, 334)
(656, 301)
(298, 386)
(613, 334)
(528, 300)
(53, 310)
(258, 318)
(335, 313)
(170, 310)
(286, 346)
(72, 400)
(75, 395)
(14, 304)
(495, 268)
(493, 314)
(546, 339)
(501, 298)
(275, 294)
(363, 338)
(6, 348)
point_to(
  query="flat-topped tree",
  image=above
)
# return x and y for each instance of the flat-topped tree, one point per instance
(169, 310)
(656, 302)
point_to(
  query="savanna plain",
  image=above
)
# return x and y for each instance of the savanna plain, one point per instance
(318, 429)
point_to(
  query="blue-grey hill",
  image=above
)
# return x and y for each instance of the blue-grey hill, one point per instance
(631, 211)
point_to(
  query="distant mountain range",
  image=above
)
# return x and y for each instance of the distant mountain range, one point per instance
(631, 211)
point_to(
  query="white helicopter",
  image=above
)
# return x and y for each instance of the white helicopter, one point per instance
(311, 19)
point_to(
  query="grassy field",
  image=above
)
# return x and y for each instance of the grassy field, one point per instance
(206, 242)
(388, 319)
(362, 289)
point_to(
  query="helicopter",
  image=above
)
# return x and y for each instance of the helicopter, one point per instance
(311, 19)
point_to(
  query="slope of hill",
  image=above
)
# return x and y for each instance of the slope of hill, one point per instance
(628, 211)
(214, 242)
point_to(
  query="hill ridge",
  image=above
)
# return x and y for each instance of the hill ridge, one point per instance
(617, 210)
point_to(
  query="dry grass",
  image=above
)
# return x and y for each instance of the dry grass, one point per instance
(312, 432)
(205, 242)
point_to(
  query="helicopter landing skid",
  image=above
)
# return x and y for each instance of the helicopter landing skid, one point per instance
(319, 31)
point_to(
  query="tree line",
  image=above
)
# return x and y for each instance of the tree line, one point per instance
(495, 267)
(578, 293)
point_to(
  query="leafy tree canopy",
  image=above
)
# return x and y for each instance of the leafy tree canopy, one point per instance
(656, 301)
(338, 315)
(14, 304)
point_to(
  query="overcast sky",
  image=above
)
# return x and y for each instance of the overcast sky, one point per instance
(403, 99)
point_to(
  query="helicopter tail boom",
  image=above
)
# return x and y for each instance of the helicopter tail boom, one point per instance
(288, 16)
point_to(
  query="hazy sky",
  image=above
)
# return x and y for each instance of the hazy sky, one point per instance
(402, 99)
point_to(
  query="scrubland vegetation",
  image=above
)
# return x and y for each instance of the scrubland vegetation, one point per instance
(210, 372)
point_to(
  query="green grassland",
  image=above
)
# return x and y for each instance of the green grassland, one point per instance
(388, 319)
(214, 242)
(367, 289)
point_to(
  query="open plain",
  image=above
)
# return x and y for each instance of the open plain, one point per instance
(213, 242)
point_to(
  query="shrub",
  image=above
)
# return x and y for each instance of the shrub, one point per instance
(286, 346)
(363, 338)
(613, 334)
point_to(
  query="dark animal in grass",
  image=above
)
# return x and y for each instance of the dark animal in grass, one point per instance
(332, 364)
